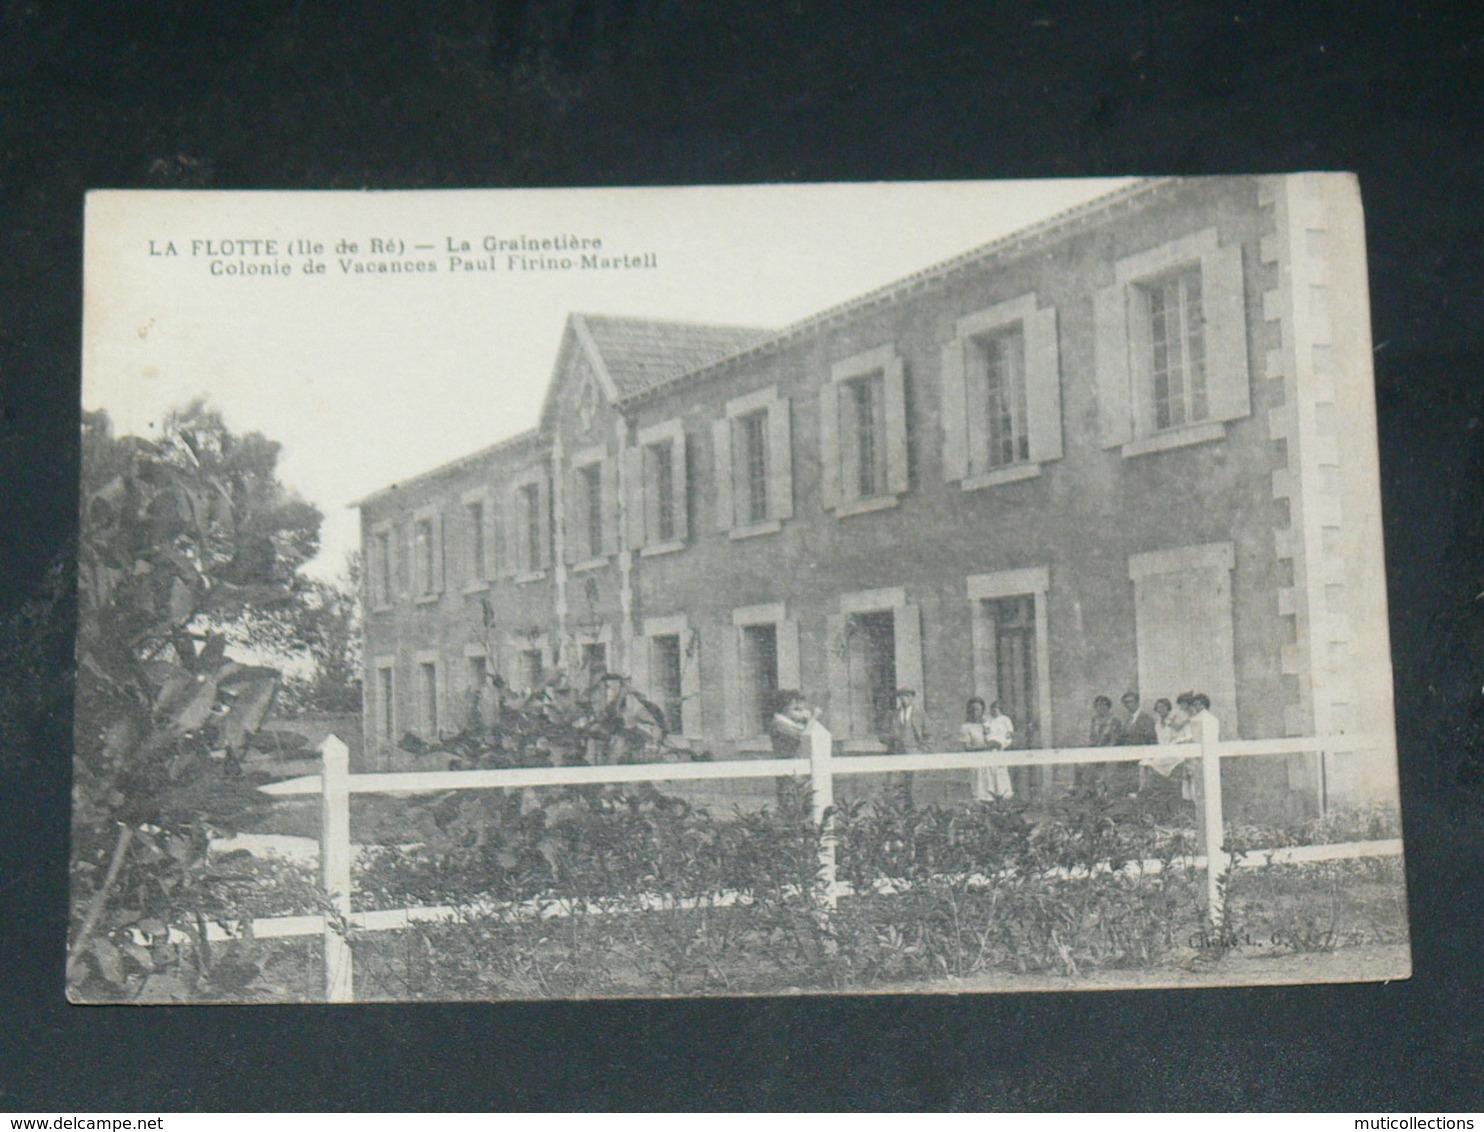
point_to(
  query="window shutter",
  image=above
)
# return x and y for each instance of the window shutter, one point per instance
(986, 659)
(651, 494)
(407, 579)
(1227, 375)
(680, 457)
(474, 569)
(780, 460)
(543, 505)
(634, 495)
(691, 722)
(894, 388)
(829, 445)
(1139, 350)
(394, 566)
(515, 552)
(721, 449)
(1043, 385)
(609, 481)
(788, 654)
(907, 631)
(954, 412)
(732, 680)
(837, 671)
(639, 663)
(437, 586)
(491, 523)
(574, 549)
(1110, 318)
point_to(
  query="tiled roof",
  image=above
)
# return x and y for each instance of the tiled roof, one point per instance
(642, 353)
(1007, 246)
(509, 444)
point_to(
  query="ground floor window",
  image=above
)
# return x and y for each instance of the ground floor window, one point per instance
(873, 646)
(665, 665)
(478, 677)
(1014, 628)
(386, 703)
(427, 674)
(532, 671)
(665, 669)
(595, 659)
(759, 676)
(871, 658)
(1183, 625)
(1010, 650)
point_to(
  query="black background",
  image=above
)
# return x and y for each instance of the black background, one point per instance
(291, 95)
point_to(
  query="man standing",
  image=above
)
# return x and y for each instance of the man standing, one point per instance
(1138, 731)
(905, 733)
(906, 729)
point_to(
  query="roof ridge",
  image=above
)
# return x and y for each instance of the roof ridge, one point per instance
(669, 321)
(523, 437)
(926, 276)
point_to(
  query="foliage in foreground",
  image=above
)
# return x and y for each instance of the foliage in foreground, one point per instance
(943, 893)
(180, 537)
(604, 893)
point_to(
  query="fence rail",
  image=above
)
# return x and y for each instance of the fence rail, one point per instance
(335, 785)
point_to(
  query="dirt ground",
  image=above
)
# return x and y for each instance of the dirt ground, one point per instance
(1365, 963)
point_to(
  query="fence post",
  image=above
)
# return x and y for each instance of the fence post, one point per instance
(334, 858)
(822, 790)
(1213, 828)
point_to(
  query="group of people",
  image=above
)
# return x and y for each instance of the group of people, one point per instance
(1188, 720)
(905, 730)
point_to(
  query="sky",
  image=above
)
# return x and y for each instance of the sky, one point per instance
(271, 307)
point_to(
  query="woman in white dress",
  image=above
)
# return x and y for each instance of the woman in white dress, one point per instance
(993, 733)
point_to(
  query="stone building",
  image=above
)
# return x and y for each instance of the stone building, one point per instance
(1132, 447)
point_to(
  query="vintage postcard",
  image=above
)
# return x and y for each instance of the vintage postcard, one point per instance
(959, 587)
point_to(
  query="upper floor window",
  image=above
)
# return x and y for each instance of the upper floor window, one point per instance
(591, 509)
(528, 526)
(478, 539)
(863, 432)
(474, 529)
(754, 464)
(532, 525)
(661, 460)
(379, 565)
(532, 514)
(865, 436)
(427, 554)
(1001, 394)
(1172, 359)
(1000, 365)
(753, 506)
(422, 541)
(1177, 348)
(658, 496)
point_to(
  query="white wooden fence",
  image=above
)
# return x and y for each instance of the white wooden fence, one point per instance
(336, 784)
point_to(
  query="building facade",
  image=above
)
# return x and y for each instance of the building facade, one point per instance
(1130, 448)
